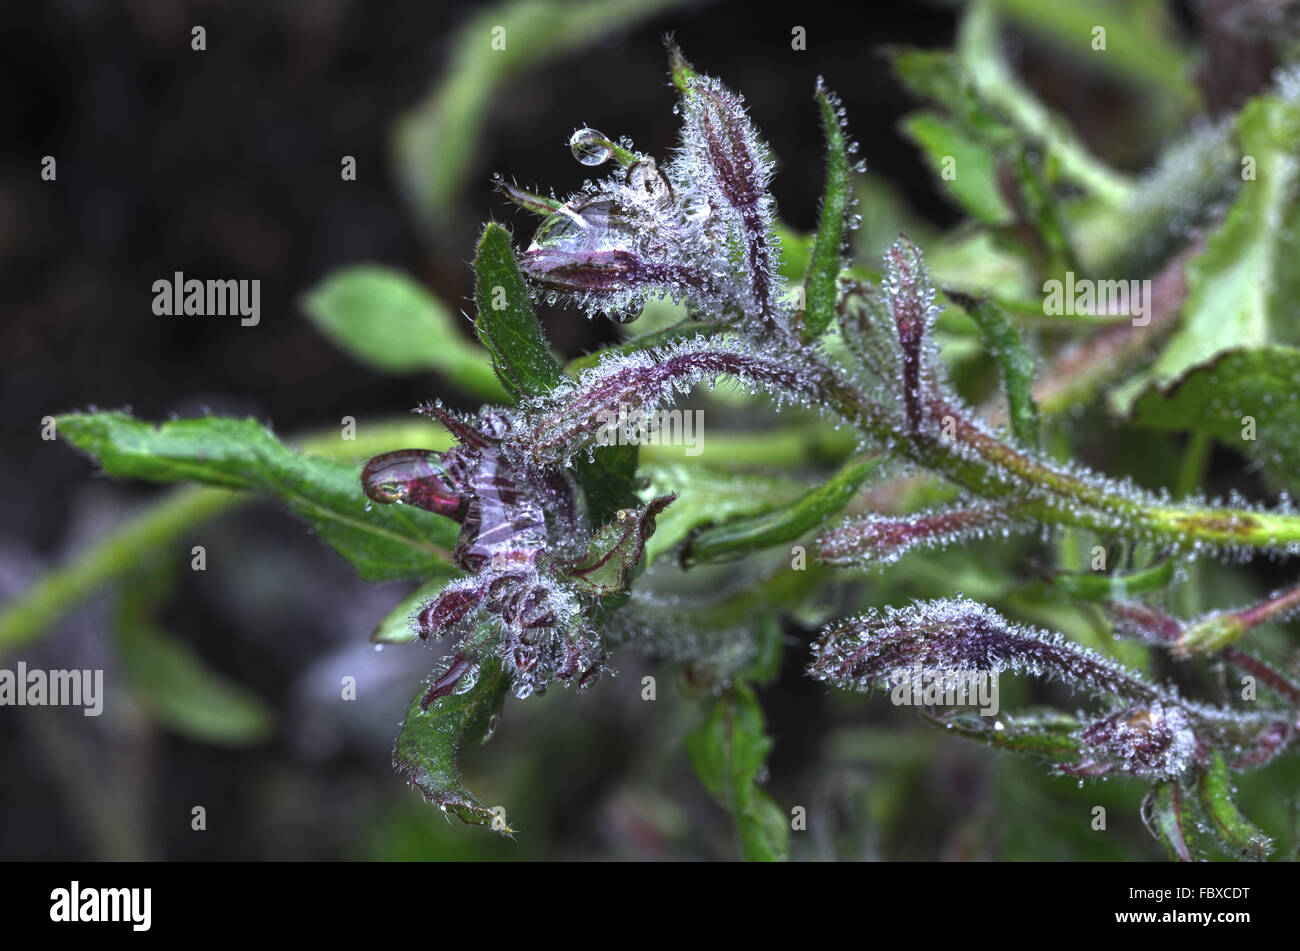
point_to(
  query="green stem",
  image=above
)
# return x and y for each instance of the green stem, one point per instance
(981, 462)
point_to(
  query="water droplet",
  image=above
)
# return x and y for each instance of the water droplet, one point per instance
(696, 207)
(590, 147)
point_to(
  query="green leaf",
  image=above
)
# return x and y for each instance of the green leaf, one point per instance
(390, 541)
(1222, 397)
(182, 693)
(1143, 46)
(524, 362)
(1047, 735)
(736, 539)
(431, 740)
(1016, 364)
(506, 323)
(1172, 817)
(1236, 285)
(384, 319)
(980, 52)
(397, 626)
(974, 186)
(706, 496)
(728, 752)
(1116, 586)
(615, 552)
(821, 284)
(437, 143)
(1239, 836)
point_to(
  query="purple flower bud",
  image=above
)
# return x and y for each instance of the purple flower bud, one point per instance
(414, 476)
(1155, 741)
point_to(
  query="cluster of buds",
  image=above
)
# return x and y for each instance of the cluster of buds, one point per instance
(525, 547)
(697, 230)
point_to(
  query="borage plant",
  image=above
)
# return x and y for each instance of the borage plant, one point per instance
(536, 527)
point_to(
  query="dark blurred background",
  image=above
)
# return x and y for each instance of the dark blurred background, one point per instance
(225, 163)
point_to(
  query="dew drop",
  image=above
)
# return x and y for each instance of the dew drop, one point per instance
(590, 147)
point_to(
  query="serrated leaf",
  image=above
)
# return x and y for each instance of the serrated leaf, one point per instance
(382, 318)
(615, 552)
(1222, 398)
(182, 693)
(821, 283)
(728, 752)
(431, 740)
(390, 541)
(506, 323)
(736, 539)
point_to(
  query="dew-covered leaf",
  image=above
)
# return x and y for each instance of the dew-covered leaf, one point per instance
(432, 739)
(736, 539)
(729, 752)
(506, 323)
(615, 551)
(821, 284)
(1238, 836)
(384, 319)
(1013, 359)
(1172, 818)
(390, 541)
(1248, 399)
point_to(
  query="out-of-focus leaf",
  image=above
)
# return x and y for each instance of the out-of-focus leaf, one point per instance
(1103, 586)
(384, 319)
(397, 627)
(435, 142)
(390, 541)
(979, 49)
(1234, 295)
(1142, 41)
(1239, 394)
(728, 753)
(615, 551)
(736, 539)
(432, 739)
(182, 693)
(821, 284)
(971, 179)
